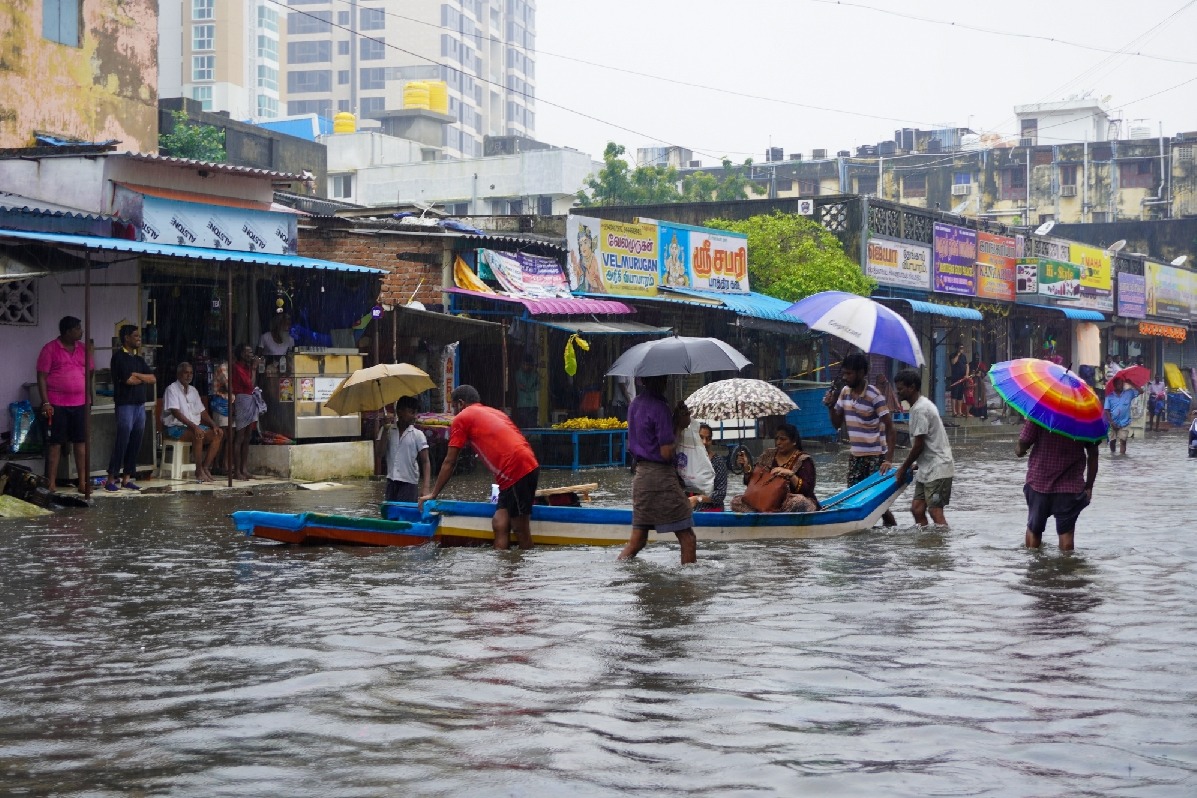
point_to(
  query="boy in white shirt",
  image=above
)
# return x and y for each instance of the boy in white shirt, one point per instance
(929, 449)
(407, 455)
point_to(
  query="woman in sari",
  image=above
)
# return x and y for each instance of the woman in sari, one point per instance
(786, 460)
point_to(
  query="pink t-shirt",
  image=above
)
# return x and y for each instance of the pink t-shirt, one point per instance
(66, 375)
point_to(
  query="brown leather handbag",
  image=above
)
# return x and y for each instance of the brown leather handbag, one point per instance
(765, 493)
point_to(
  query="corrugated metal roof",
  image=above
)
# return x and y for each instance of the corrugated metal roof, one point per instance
(227, 168)
(757, 306)
(17, 202)
(554, 306)
(931, 308)
(100, 243)
(1081, 314)
(606, 327)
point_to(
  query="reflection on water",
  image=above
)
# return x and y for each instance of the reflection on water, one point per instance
(149, 649)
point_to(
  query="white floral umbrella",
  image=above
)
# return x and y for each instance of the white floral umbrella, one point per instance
(739, 398)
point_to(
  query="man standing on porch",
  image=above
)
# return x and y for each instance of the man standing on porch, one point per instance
(62, 380)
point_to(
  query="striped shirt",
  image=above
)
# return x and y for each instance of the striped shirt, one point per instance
(862, 417)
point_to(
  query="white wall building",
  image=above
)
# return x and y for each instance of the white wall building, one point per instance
(1044, 124)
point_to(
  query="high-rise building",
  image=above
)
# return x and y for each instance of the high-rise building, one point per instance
(222, 53)
(259, 59)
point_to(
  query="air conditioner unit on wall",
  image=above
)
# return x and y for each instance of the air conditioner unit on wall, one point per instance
(1026, 142)
(961, 189)
(1067, 191)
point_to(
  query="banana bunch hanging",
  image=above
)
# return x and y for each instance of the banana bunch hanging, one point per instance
(571, 358)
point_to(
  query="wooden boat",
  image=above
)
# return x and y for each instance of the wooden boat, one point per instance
(852, 510)
(320, 528)
(461, 523)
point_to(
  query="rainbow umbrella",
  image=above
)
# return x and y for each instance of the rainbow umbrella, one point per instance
(1050, 396)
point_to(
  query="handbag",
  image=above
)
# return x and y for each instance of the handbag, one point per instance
(765, 493)
(693, 464)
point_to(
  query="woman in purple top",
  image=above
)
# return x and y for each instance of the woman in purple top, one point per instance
(658, 499)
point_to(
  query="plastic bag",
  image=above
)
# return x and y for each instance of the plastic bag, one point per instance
(693, 464)
(26, 432)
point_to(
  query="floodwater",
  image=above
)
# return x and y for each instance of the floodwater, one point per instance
(148, 649)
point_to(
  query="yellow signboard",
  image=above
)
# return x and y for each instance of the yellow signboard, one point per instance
(1094, 264)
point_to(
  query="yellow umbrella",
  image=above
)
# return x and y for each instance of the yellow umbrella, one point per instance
(376, 387)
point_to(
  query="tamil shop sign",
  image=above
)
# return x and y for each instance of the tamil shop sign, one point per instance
(997, 257)
(635, 258)
(955, 269)
(1132, 296)
(1169, 331)
(898, 263)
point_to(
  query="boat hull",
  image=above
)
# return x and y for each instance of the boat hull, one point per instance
(469, 523)
(316, 528)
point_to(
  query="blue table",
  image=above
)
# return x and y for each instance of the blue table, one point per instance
(579, 448)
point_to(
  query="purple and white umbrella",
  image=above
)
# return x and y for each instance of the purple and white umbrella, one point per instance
(867, 325)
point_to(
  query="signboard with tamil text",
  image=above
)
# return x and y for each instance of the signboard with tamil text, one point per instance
(899, 263)
(955, 260)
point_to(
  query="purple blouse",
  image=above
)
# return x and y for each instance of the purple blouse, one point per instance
(650, 426)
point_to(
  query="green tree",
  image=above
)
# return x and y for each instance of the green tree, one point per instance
(617, 183)
(791, 257)
(189, 140)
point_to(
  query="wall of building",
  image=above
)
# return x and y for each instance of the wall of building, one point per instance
(105, 88)
(412, 262)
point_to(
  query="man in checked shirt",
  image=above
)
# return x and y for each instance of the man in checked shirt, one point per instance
(1060, 477)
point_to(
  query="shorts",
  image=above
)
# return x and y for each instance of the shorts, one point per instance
(1158, 407)
(402, 491)
(177, 432)
(1065, 507)
(1120, 434)
(935, 492)
(517, 500)
(958, 391)
(860, 468)
(68, 424)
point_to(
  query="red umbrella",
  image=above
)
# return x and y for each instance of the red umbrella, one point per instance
(1137, 376)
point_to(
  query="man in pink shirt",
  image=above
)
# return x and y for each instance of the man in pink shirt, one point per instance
(62, 378)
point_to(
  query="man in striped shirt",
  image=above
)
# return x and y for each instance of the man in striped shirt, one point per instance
(862, 408)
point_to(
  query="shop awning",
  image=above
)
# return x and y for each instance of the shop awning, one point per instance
(554, 306)
(752, 305)
(931, 308)
(440, 327)
(1080, 314)
(101, 244)
(605, 327)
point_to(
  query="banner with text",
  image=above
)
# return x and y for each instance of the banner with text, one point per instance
(527, 275)
(1169, 291)
(1132, 295)
(997, 257)
(899, 263)
(955, 260)
(699, 257)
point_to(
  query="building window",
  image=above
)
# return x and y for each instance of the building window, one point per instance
(307, 81)
(60, 21)
(343, 77)
(342, 186)
(343, 19)
(373, 105)
(202, 9)
(866, 184)
(1014, 183)
(267, 19)
(311, 52)
(203, 96)
(301, 22)
(267, 48)
(373, 78)
(267, 78)
(1135, 174)
(18, 301)
(962, 178)
(267, 107)
(202, 37)
(1042, 157)
(343, 105)
(1068, 175)
(203, 67)
(343, 47)
(373, 49)
(317, 107)
(373, 19)
(914, 186)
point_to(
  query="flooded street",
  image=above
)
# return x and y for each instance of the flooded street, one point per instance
(151, 649)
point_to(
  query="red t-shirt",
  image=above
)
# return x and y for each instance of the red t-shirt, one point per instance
(497, 440)
(243, 378)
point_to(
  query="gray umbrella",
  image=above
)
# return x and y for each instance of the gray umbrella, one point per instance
(677, 355)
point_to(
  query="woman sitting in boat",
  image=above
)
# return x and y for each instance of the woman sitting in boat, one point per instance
(787, 460)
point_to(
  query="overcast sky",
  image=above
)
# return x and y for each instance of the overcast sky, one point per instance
(834, 75)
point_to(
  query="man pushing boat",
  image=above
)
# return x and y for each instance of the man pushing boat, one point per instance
(505, 452)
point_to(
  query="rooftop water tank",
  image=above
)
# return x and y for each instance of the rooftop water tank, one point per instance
(438, 96)
(416, 94)
(344, 122)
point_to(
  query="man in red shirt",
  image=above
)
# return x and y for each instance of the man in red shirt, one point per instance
(505, 452)
(62, 379)
(1060, 477)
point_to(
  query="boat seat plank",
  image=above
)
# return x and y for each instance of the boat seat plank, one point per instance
(582, 490)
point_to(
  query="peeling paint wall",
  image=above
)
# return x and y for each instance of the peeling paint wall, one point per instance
(104, 89)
